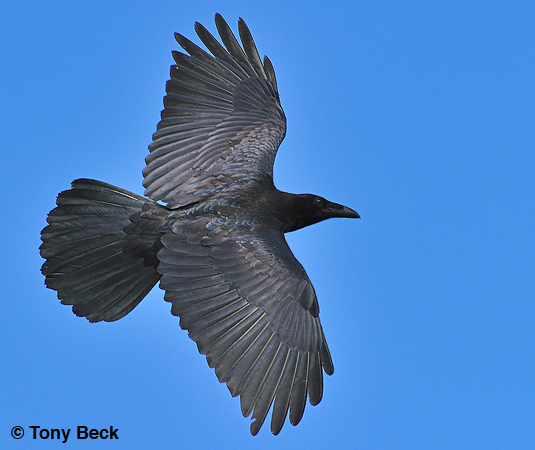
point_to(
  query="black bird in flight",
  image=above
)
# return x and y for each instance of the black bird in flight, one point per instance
(218, 246)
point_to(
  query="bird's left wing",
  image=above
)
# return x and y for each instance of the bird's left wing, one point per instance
(250, 307)
(222, 121)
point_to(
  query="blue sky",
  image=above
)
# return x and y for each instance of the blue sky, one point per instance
(419, 115)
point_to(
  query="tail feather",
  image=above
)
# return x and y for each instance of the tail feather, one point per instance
(97, 259)
(118, 300)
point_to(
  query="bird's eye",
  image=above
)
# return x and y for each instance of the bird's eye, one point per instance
(318, 201)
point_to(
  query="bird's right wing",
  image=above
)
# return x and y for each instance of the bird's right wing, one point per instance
(250, 306)
(222, 121)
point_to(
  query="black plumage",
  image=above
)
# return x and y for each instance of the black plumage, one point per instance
(218, 246)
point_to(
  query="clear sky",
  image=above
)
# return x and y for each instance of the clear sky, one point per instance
(419, 115)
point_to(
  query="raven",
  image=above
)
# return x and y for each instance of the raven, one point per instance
(218, 246)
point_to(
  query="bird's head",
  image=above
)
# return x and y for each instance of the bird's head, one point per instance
(308, 209)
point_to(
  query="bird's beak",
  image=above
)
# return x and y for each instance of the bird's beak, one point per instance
(336, 210)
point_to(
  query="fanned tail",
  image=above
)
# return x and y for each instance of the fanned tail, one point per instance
(100, 248)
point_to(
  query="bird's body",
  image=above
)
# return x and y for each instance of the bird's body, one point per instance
(217, 247)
